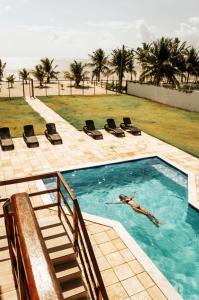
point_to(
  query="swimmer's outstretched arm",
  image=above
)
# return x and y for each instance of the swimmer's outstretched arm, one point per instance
(114, 202)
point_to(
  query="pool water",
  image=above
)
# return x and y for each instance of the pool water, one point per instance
(162, 189)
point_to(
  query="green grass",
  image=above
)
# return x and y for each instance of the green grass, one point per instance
(16, 113)
(175, 126)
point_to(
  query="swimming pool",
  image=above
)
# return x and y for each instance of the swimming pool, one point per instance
(162, 189)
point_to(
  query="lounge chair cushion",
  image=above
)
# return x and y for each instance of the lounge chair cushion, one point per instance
(54, 136)
(118, 131)
(6, 142)
(31, 139)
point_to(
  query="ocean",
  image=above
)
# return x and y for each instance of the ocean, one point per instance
(14, 64)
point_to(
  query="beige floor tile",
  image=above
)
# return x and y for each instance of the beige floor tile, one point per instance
(136, 267)
(107, 248)
(141, 296)
(123, 271)
(97, 251)
(132, 286)
(156, 294)
(146, 280)
(112, 234)
(101, 237)
(95, 228)
(109, 277)
(116, 292)
(115, 259)
(119, 244)
(127, 254)
(103, 263)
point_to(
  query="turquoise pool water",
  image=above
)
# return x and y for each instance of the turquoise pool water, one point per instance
(162, 189)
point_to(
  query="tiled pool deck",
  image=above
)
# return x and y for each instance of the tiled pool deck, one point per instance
(123, 274)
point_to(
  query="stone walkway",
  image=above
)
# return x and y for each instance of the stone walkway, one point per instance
(123, 279)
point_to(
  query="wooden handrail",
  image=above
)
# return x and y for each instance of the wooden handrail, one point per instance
(26, 179)
(41, 279)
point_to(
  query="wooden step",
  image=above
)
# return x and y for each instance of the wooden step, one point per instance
(61, 254)
(56, 239)
(49, 220)
(63, 257)
(74, 290)
(67, 271)
(50, 231)
(6, 277)
(9, 295)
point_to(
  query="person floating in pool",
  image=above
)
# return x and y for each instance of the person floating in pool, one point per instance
(138, 208)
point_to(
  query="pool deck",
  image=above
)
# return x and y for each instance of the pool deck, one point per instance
(124, 275)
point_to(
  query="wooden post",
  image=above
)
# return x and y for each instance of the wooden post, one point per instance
(29, 88)
(46, 89)
(70, 87)
(106, 86)
(75, 229)
(58, 88)
(23, 88)
(32, 87)
(9, 90)
(58, 197)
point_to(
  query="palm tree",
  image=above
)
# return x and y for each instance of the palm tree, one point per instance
(157, 62)
(120, 61)
(2, 67)
(24, 75)
(99, 62)
(131, 68)
(47, 65)
(178, 50)
(10, 79)
(77, 72)
(192, 62)
(142, 53)
(39, 74)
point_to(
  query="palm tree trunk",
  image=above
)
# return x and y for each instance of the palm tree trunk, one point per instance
(188, 77)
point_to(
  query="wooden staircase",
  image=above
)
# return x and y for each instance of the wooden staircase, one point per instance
(46, 255)
(63, 257)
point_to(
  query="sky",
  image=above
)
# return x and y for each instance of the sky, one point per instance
(72, 29)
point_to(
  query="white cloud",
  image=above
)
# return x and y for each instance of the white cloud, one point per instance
(5, 8)
(8, 7)
(144, 32)
(194, 20)
(189, 31)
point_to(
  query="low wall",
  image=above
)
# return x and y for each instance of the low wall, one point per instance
(188, 101)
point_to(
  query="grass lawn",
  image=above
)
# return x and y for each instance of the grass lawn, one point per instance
(16, 113)
(175, 126)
